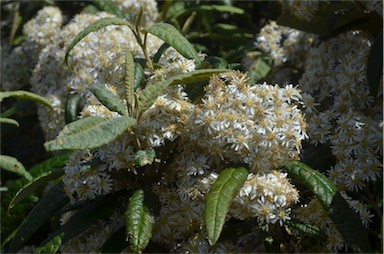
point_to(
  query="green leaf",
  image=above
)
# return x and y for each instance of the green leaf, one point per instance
(11, 164)
(108, 99)
(306, 229)
(108, 6)
(375, 65)
(175, 39)
(329, 19)
(346, 220)
(52, 246)
(160, 52)
(90, 132)
(45, 209)
(28, 189)
(99, 24)
(72, 108)
(258, 70)
(10, 221)
(219, 198)
(101, 208)
(27, 96)
(139, 222)
(139, 74)
(145, 157)
(221, 8)
(152, 91)
(129, 81)
(9, 121)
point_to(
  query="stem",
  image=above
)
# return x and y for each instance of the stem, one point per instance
(144, 48)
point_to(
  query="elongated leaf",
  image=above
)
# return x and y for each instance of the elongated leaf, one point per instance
(99, 24)
(9, 121)
(90, 132)
(108, 99)
(99, 209)
(26, 96)
(306, 229)
(129, 81)
(44, 210)
(375, 65)
(175, 39)
(139, 222)
(151, 92)
(72, 108)
(160, 52)
(219, 198)
(346, 220)
(32, 186)
(11, 164)
(52, 246)
(139, 74)
(10, 221)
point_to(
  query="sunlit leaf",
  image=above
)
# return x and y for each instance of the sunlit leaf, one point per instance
(11, 164)
(219, 198)
(26, 96)
(45, 209)
(152, 91)
(90, 132)
(9, 121)
(175, 39)
(139, 222)
(129, 81)
(52, 246)
(346, 220)
(99, 24)
(108, 99)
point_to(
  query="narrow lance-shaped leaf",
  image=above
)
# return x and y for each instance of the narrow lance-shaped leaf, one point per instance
(11, 164)
(48, 205)
(90, 132)
(346, 220)
(9, 121)
(151, 92)
(72, 108)
(129, 81)
(375, 65)
(139, 222)
(139, 73)
(99, 24)
(52, 246)
(219, 198)
(175, 39)
(26, 96)
(108, 99)
(28, 189)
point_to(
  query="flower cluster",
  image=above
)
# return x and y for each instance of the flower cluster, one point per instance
(39, 32)
(341, 113)
(283, 44)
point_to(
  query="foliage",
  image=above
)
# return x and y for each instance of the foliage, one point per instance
(177, 142)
